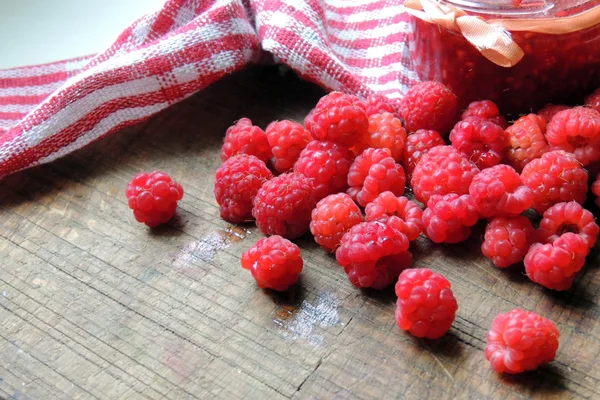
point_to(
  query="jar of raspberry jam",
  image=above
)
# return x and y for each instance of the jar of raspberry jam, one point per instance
(557, 56)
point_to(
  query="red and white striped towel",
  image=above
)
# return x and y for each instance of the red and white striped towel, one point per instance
(50, 110)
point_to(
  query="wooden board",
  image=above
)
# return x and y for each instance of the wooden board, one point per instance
(94, 305)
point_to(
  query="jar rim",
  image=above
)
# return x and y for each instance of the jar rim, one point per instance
(525, 9)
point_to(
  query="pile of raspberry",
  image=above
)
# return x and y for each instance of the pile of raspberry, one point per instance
(368, 177)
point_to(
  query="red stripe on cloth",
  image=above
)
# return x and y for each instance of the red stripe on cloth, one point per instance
(36, 80)
(23, 100)
(12, 116)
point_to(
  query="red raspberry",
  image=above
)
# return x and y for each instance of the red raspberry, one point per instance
(482, 141)
(554, 265)
(243, 137)
(596, 189)
(373, 254)
(326, 164)
(568, 217)
(441, 171)
(372, 173)
(377, 103)
(550, 111)
(417, 145)
(236, 183)
(275, 263)
(283, 205)
(426, 306)
(577, 131)
(499, 191)
(385, 132)
(153, 197)
(332, 218)
(406, 216)
(526, 140)
(338, 117)
(485, 109)
(429, 105)
(287, 139)
(507, 240)
(449, 218)
(593, 100)
(555, 177)
(521, 341)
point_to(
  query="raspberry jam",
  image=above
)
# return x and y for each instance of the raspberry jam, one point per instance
(555, 68)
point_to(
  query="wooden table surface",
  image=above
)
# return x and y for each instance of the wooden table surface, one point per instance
(95, 305)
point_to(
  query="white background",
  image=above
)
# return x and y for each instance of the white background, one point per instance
(40, 31)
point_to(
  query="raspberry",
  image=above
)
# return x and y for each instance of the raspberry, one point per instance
(326, 164)
(429, 105)
(550, 111)
(485, 109)
(287, 139)
(577, 131)
(406, 215)
(377, 103)
(283, 205)
(417, 145)
(482, 141)
(385, 132)
(555, 177)
(441, 171)
(596, 189)
(554, 265)
(426, 306)
(526, 140)
(243, 137)
(373, 254)
(236, 183)
(507, 240)
(499, 191)
(338, 117)
(332, 218)
(521, 341)
(593, 100)
(448, 218)
(372, 173)
(275, 263)
(568, 217)
(153, 197)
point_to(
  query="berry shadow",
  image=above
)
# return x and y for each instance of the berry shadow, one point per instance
(386, 296)
(171, 229)
(447, 347)
(290, 300)
(546, 381)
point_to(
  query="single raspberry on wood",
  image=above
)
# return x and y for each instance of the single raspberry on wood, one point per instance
(153, 197)
(596, 189)
(521, 341)
(568, 217)
(332, 218)
(526, 140)
(576, 131)
(243, 137)
(377, 103)
(283, 205)
(275, 263)
(551, 110)
(417, 145)
(449, 218)
(236, 183)
(554, 265)
(441, 171)
(372, 173)
(287, 139)
(407, 215)
(373, 254)
(426, 306)
(385, 132)
(482, 141)
(593, 100)
(499, 191)
(554, 178)
(338, 117)
(507, 240)
(429, 105)
(485, 109)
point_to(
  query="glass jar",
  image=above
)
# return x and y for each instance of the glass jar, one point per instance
(558, 68)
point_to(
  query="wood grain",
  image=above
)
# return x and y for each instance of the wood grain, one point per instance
(96, 306)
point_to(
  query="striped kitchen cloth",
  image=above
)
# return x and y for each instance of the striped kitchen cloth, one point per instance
(50, 110)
